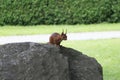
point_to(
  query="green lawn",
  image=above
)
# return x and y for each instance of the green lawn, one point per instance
(107, 52)
(45, 29)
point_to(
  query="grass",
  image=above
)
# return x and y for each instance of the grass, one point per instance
(45, 29)
(107, 53)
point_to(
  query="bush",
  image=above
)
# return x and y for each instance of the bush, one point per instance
(36, 12)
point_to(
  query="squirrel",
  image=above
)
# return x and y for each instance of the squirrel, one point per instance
(57, 38)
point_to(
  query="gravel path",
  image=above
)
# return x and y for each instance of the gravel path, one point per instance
(71, 36)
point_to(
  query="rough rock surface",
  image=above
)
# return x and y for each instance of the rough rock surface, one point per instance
(82, 67)
(33, 61)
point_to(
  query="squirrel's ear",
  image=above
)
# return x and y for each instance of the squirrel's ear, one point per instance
(66, 31)
(62, 32)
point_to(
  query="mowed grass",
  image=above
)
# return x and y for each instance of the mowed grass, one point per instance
(107, 53)
(46, 29)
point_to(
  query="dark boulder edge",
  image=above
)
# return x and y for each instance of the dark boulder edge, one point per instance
(81, 66)
(34, 61)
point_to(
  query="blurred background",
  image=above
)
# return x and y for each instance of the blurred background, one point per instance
(93, 27)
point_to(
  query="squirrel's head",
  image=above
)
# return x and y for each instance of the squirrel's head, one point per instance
(63, 35)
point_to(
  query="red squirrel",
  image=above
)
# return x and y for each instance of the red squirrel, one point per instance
(57, 38)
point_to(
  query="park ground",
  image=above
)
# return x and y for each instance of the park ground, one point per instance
(106, 51)
(48, 29)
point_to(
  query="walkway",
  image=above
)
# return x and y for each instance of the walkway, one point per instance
(71, 36)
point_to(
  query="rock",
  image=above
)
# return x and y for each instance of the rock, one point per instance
(82, 67)
(33, 61)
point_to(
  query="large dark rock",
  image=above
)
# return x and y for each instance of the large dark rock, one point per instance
(33, 61)
(82, 67)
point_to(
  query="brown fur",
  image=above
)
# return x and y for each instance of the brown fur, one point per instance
(57, 38)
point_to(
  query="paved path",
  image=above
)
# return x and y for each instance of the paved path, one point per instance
(71, 36)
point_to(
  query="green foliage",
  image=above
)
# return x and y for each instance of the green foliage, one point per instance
(36, 12)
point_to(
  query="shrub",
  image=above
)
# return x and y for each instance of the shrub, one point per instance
(36, 12)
